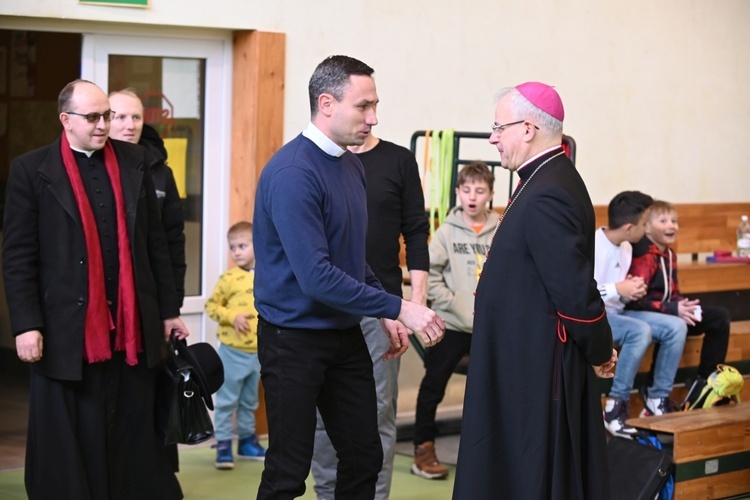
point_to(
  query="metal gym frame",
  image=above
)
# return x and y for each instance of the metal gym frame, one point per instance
(569, 145)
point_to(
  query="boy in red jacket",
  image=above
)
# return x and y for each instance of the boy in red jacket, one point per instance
(656, 263)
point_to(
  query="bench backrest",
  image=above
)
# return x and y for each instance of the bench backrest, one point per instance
(704, 227)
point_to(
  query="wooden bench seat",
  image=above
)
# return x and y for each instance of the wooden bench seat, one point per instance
(739, 348)
(710, 450)
(704, 229)
(738, 355)
(702, 277)
(711, 447)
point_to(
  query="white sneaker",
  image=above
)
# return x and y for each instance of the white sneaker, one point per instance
(657, 406)
(615, 414)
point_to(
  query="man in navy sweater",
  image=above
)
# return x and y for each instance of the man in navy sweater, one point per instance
(395, 208)
(312, 287)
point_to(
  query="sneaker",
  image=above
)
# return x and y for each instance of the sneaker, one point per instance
(250, 449)
(426, 464)
(615, 414)
(657, 406)
(224, 459)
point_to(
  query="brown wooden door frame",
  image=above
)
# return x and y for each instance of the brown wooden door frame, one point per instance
(257, 127)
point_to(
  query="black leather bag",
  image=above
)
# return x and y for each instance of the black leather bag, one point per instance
(636, 471)
(184, 395)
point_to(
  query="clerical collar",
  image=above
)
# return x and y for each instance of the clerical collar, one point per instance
(83, 151)
(322, 141)
(537, 156)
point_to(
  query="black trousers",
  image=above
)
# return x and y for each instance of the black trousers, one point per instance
(715, 325)
(330, 370)
(96, 438)
(439, 362)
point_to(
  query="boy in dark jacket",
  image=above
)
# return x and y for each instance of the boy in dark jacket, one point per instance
(656, 263)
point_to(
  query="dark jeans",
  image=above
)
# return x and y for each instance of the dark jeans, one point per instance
(439, 362)
(330, 370)
(715, 325)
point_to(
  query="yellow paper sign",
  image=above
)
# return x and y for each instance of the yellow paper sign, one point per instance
(177, 160)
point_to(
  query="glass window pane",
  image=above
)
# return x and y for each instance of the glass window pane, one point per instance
(172, 91)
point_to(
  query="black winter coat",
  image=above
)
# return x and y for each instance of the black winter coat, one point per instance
(44, 256)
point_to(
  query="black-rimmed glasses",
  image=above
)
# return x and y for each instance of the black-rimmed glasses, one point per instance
(95, 117)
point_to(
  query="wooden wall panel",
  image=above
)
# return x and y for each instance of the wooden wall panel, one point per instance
(257, 113)
(257, 127)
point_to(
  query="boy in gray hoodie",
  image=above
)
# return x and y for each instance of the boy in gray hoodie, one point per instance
(457, 253)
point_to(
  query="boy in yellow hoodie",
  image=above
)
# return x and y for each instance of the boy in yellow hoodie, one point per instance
(232, 306)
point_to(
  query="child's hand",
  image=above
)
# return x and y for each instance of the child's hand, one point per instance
(686, 311)
(640, 287)
(632, 288)
(241, 325)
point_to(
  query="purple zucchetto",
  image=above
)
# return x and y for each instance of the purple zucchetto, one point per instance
(543, 97)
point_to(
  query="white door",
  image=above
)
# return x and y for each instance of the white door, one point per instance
(185, 85)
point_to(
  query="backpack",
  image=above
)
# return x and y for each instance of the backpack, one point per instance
(722, 387)
(666, 492)
(639, 469)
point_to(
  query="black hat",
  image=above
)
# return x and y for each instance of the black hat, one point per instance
(206, 365)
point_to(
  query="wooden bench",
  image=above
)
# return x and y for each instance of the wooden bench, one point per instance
(711, 447)
(738, 351)
(738, 355)
(710, 450)
(704, 229)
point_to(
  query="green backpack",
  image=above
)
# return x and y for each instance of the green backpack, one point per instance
(722, 387)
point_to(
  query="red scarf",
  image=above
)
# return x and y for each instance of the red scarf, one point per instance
(98, 318)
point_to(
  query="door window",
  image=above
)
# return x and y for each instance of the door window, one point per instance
(185, 85)
(172, 91)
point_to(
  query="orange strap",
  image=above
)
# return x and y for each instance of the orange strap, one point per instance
(426, 161)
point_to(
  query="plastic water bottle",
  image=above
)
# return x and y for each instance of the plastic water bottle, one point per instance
(743, 238)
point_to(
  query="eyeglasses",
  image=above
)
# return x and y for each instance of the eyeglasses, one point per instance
(95, 117)
(499, 128)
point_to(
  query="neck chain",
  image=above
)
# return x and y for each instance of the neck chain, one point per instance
(523, 186)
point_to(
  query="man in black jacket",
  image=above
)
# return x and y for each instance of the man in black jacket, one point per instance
(128, 125)
(395, 208)
(91, 300)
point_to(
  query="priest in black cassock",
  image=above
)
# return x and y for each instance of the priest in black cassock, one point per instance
(532, 420)
(92, 301)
